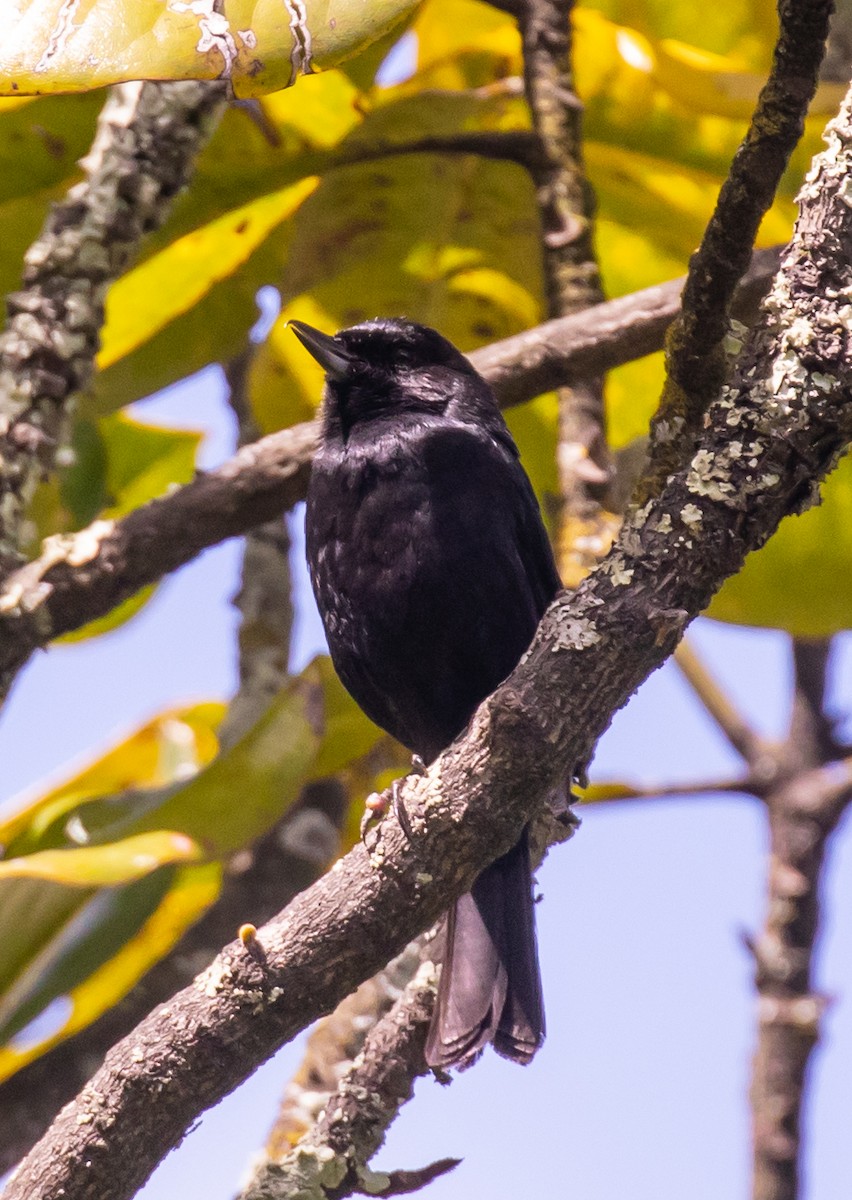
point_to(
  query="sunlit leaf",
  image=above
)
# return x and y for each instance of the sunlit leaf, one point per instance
(260, 46)
(348, 732)
(451, 242)
(465, 43)
(746, 31)
(801, 580)
(96, 923)
(41, 141)
(192, 890)
(248, 788)
(114, 619)
(147, 298)
(119, 464)
(171, 746)
(213, 330)
(104, 866)
(601, 793)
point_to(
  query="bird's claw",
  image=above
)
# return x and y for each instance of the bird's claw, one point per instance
(376, 807)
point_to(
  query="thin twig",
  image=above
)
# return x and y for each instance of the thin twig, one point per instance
(82, 576)
(264, 599)
(696, 362)
(744, 739)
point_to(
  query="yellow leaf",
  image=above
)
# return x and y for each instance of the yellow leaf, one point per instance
(147, 298)
(801, 580)
(449, 242)
(259, 46)
(248, 788)
(175, 742)
(193, 890)
(104, 866)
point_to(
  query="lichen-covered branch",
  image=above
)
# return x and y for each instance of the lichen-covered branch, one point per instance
(82, 576)
(695, 355)
(148, 137)
(772, 434)
(351, 1111)
(258, 881)
(90, 572)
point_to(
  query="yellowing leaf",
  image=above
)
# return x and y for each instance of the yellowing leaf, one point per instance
(801, 580)
(451, 242)
(104, 866)
(248, 788)
(349, 733)
(191, 891)
(465, 43)
(600, 793)
(259, 46)
(172, 744)
(144, 300)
(59, 955)
(114, 619)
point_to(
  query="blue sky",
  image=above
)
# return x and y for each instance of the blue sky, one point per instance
(640, 1090)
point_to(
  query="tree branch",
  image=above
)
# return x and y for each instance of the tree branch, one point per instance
(804, 811)
(790, 404)
(258, 881)
(82, 576)
(148, 137)
(329, 1160)
(571, 276)
(695, 355)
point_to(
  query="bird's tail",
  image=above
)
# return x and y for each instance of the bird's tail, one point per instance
(490, 989)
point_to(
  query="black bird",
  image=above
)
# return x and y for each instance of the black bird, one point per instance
(431, 568)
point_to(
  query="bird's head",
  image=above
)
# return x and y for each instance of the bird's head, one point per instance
(387, 366)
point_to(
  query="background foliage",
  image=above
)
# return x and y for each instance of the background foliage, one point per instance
(326, 193)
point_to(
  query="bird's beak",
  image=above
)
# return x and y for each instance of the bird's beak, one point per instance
(328, 353)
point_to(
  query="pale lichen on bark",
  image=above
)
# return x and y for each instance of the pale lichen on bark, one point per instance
(147, 138)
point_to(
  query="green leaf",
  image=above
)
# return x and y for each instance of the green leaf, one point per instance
(114, 619)
(62, 917)
(260, 46)
(120, 464)
(41, 141)
(244, 791)
(175, 743)
(349, 734)
(799, 580)
(91, 954)
(94, 928)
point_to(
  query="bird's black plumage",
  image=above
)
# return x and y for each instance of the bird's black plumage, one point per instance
(431, 568)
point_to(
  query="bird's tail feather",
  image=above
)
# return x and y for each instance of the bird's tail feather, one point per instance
(490, 989)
